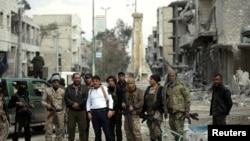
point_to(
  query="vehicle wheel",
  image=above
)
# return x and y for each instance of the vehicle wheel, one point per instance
(5, 133)
(38, 128)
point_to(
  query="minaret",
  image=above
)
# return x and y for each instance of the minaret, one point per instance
(138, 68)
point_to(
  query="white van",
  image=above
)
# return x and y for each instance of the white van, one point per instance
(67, 76)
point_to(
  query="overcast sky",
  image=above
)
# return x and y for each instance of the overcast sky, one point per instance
(118, 9)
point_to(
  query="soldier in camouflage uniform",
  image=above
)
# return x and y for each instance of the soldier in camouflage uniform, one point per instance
(53, 100)
(3, 118)
(132, 103)
(176, 103)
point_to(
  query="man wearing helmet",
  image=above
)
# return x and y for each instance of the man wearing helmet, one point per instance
(53, 100)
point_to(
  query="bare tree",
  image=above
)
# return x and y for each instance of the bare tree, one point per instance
(113, 48)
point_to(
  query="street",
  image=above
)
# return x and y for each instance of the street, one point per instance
(239, 115)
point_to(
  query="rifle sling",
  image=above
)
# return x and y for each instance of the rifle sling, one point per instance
(105, 96)
(22, 100)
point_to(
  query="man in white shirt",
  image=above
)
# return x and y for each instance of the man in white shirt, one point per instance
(100, 109)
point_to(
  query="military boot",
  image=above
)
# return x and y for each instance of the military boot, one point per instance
(159, 139)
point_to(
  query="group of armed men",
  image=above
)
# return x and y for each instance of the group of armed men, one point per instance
(104, 107)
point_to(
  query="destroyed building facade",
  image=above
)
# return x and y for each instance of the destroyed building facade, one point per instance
(211, 36)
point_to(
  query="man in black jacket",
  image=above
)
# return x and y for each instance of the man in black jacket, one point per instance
(116, 119)
(221, 102)
(75, 98)
(122, 83)
(23, 112)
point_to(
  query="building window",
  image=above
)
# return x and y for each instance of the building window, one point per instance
(155, 34)
(59, 60)
(8, 21)
(1, 18)
(155, 45)
(155, 57)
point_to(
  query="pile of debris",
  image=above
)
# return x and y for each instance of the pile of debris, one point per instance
(240, 87)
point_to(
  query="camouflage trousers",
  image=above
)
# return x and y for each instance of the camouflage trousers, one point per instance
(176, 123)
(1, 130)
(133, 134)
(155, 126)
(59, 125)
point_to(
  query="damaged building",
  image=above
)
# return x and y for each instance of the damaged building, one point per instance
(210, 36)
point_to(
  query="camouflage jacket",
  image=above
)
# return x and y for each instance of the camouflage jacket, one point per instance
(136, 100)
(57, 98)
(177, 98)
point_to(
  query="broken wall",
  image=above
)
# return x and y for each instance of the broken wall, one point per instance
(231, 16)
(244, 58)
(206, 19)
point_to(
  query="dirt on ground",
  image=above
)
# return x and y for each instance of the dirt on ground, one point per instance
(238, 115)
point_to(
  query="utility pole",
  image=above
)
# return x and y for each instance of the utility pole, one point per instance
(19, 48)
(80, 53)
(23, 5)
(93, 36)
(105, 9)
(57, 50)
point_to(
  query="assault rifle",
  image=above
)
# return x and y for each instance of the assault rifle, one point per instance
(127, 115)
(193, 116)
(149, 118)
(26, 106)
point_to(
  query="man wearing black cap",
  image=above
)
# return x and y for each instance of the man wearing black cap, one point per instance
(53, 100)
(88, 82)
(153, 107)
(23, 112)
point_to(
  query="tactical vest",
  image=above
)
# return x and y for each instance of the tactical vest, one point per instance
(150, 97)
